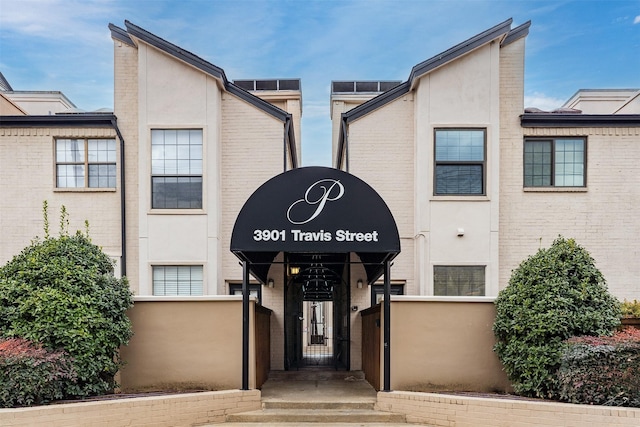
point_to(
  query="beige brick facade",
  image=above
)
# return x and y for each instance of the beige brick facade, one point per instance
(602, 217)
(27, 161)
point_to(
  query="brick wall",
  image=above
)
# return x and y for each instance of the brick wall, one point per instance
(463, 411)
(27, 162)
(382, 153)
(602, 218)
(159, 411)
(126, 110)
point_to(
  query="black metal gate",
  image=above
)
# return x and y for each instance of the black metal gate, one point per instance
(316, 333)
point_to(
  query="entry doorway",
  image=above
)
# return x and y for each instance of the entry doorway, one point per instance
(317, 333)
(317, 313)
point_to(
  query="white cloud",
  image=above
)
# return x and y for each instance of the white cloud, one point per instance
(637, 20)
(542, 101)
(58, 19)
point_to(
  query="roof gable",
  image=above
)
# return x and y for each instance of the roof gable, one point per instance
(134, 32)
(195, 61)
(501, 31)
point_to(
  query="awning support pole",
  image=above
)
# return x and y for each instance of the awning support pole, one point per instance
(387, 325)
(245, 325)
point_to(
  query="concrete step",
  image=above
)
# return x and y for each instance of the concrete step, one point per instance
(315, 375)
(324, 416)
(345, 405)
(280, 424)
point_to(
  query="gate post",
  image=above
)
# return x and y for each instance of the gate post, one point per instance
(387, 326)
(245, 325)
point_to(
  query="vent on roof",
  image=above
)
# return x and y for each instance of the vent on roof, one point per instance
(363, 86)
(274, 84)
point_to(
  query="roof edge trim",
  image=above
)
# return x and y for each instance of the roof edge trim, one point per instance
(118, 33)
(517, 33)
(256, 101)
(460, 49)
(175, 51)
(208, 68)
(376, 102)
(556, 120)
(79, 120)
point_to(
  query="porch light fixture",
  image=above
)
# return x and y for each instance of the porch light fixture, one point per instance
(270, 283)
(294, 270)
(359, 283)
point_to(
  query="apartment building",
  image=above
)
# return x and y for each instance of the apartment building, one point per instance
(442, 184)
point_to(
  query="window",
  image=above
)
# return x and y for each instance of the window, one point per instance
(556, 162)
(177, 280)
(459, 161)
(458, 280)
(176, 169)
(377, 292)
(254, 290)
(82, 163)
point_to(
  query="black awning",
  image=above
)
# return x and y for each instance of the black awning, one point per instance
(315, 210)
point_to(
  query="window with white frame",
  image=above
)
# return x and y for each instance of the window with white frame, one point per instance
(176, 169)
(459, 161)
(85, 163)
(555, 162)
(177, 280)
(459, 280)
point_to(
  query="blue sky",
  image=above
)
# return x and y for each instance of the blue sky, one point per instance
(65, 45)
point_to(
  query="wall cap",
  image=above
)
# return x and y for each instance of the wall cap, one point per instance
(419, 298)
(175, 298)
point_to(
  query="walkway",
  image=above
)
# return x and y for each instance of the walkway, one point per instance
(317, 397)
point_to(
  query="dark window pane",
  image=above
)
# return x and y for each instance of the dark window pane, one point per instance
(366, 86)
(102, 176)
(245, 84)
(459, 179)
(176, 192)
(266, 85)
(537, 163)
(289, 84)
(459, 280)
(344, 87)
(384, 86)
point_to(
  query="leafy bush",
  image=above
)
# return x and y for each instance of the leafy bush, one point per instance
(61, 292)
(630, 308)
(602, 370)
(30, 374)
(553, 295)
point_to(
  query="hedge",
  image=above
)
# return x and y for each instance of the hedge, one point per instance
(31, 374)
(602, 370)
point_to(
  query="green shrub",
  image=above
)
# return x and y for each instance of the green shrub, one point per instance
(553, 295)
(62, 292)
(30, 374)
(630, 308)
(602, 370)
